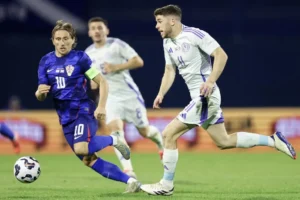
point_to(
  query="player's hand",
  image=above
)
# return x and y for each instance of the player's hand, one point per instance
(206, 88)
(43, 89)
(158, 100)
(110, 68)
(100, 113)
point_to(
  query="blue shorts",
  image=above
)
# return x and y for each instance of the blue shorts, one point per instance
(83, 129)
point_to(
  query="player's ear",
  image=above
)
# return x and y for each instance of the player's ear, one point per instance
(107, 31)
(172, 20)
(52, 41)
(73, 41)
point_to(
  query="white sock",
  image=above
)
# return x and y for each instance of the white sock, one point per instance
(247, 140)
(131, 180)
(154, 135)
(170, 159)
(114, 138)
(126, 164)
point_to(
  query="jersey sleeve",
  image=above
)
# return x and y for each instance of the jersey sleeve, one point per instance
(126, 50)
(204, 41)
(42, 71)
(86, 64)
(168, 58)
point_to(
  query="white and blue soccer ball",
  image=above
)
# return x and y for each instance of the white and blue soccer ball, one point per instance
(27, 169)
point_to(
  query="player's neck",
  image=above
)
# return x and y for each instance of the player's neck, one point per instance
(59, 55)
(100, 44)
(176, 30)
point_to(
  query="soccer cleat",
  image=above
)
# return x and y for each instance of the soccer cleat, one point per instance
(157, 189)
(130, 173)
(281, 144)
(122, 147)
(16, 144)
(133, 187)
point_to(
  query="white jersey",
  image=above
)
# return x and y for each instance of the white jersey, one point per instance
(190, 52)
(115, 51)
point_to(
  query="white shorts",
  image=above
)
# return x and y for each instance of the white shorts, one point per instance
(203, 111)
(131, 111)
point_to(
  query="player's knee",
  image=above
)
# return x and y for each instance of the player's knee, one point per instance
(143, 131)
(89, 160)
(168, 137)
(81, 149)
(224, 144)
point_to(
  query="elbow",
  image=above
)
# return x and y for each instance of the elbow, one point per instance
(139, 63)
(219, 53)
(225, 56)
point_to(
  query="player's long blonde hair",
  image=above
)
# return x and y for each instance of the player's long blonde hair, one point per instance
(61, 25)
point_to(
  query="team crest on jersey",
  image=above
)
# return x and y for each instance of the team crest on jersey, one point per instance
(185, 47)
(69, 70)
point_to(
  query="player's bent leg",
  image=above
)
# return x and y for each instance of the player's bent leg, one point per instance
(95, 144)
(170, 135)
(81, 148)
(247, 140)
(104, 168)
(116, 128)
(81, 133)
(224, 140)
(89, 160)
(219, 135)
(111, 171)
(153, 134)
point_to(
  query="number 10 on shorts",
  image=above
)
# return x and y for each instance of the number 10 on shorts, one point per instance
(79, 130)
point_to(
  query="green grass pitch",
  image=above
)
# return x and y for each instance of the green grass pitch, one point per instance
(211, 176)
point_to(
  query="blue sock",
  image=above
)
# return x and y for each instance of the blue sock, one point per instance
(99, 142)
(110, 171)
(4, 130)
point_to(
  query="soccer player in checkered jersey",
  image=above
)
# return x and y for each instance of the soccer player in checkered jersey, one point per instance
(63, 73)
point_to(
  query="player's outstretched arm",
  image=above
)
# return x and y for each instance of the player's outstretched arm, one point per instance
(220, 59)
(42, 91)
(103, 93)
(132, 63)
(166, 84)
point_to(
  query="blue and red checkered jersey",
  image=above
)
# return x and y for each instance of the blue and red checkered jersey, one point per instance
(66, 76)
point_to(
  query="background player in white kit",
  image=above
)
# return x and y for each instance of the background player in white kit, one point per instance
(115, 58)
(189, 49)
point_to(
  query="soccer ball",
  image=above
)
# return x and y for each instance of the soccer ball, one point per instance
(27, 169)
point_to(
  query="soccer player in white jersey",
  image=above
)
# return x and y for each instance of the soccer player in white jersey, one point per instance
(115, 58)
(189, 49)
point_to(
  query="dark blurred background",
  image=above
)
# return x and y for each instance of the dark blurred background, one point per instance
(261, 39)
